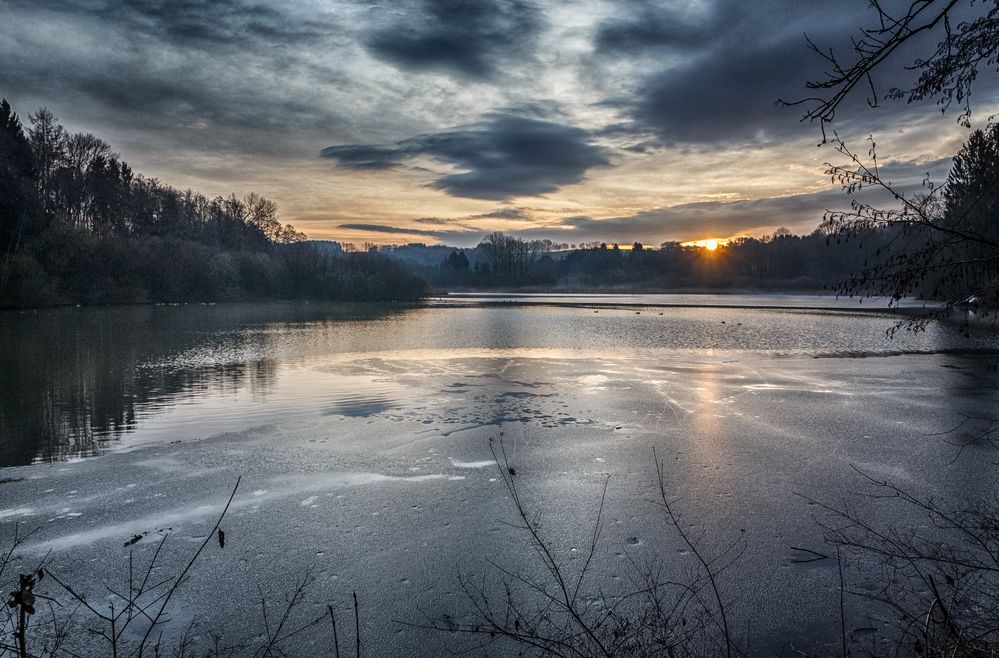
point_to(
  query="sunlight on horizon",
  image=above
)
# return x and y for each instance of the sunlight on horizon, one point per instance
(711, 244)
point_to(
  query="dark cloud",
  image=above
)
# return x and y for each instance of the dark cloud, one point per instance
(501, 157)
(510, 214)
(729, 64)
(434, 221)
(379, 228)
(471, 38)
(718, 98)
(504, 213)
(459, 225)
(362, 157)
(460, 231)
(656, 26)
(196, 23)
(226, 67)
(909, 174)
(459, 236)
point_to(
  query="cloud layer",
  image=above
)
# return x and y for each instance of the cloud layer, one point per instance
(802, 212)
(648, 118)
(502, 157)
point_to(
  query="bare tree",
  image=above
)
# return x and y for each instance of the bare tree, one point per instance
(71, 623)
(947, 73)
(48, 139)
(936, 581)
(941, 243)
(563, 613)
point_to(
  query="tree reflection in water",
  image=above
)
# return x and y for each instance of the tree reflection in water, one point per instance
(74, 381)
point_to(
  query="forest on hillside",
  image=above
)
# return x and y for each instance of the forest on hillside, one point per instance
(79, 226)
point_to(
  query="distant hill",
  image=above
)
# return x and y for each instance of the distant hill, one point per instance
(325, 245)
(429, 255)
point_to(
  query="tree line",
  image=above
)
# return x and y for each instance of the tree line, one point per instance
(781, 261)
(79, 226)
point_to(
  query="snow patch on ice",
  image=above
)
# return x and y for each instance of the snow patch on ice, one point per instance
(477, 464)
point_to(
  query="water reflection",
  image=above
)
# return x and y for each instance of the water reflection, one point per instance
(704, 421)
(74, 381)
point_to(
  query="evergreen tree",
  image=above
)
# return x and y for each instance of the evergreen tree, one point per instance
(972, 192)
(971, 216)
(457, 260)
(17, 185)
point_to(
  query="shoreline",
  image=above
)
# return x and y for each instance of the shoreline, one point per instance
(584, 300)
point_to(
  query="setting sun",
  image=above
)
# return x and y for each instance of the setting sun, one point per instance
(710, 244)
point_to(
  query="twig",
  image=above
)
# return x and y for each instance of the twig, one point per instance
(336, 642)
(667, 505)
(357, 629)
(190, 563)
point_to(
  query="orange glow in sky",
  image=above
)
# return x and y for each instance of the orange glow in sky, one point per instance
(710, 244)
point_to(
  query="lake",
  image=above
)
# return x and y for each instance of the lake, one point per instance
(362, 436)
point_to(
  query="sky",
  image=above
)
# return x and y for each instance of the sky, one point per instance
(443, 120)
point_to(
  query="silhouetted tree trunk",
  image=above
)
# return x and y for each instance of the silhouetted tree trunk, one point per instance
(48, 140)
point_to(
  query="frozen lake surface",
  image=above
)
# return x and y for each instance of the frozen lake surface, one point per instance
(362, 437)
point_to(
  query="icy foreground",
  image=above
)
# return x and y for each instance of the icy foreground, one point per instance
(374, 466)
